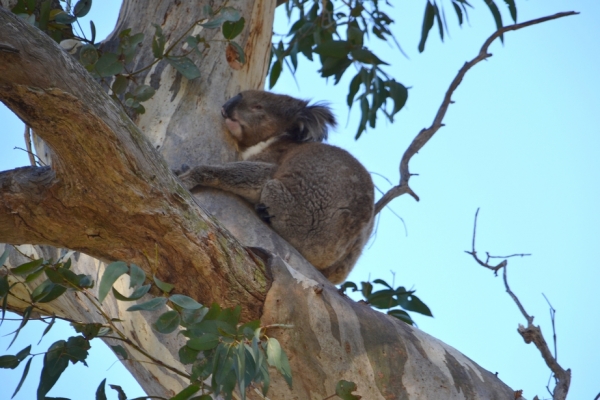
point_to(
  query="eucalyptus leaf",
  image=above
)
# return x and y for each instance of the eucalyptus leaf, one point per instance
(149, 305)
(112, 272)
(25, 372)
(185, 66)
(167, 322)
(165, 287)
(108, 65)
(185, 302)
(137, 276)
(101, 391)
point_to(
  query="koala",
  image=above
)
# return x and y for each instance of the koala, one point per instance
(316, 196)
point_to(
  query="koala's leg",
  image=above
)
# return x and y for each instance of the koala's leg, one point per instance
(244, 178)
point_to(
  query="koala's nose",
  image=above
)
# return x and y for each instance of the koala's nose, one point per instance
(230, 105)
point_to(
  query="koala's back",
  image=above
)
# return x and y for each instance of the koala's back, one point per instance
(321, 201)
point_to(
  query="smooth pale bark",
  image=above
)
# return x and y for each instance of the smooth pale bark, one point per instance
(111, 195)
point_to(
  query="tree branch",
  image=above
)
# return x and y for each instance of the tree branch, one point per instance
(531, 333)
(425, 134)
(111, 195)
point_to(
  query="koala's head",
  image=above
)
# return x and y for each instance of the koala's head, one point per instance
(254, 116)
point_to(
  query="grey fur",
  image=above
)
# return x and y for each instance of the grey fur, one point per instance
(317, 197)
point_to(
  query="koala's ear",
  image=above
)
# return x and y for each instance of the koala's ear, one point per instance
(312, 123)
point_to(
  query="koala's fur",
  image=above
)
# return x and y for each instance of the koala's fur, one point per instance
(317, 197)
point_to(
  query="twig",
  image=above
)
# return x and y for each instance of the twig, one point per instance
(427, 133)
(28, 145)
(531, 333)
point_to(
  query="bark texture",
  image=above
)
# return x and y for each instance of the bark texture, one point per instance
(110, 194)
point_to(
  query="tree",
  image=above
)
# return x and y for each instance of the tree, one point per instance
(148, 237)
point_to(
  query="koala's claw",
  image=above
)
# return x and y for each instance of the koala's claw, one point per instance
(262, 212)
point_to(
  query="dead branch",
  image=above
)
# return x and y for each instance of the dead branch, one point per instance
(427, 133)
(530, 333)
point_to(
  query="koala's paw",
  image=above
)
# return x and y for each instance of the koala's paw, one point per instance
(262, 212)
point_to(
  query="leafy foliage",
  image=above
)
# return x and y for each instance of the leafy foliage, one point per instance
(396, 301)
(112, 68)
(232, 354)
(338, 33)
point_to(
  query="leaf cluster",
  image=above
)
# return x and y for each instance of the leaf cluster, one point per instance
(395, 301)
(337, 32)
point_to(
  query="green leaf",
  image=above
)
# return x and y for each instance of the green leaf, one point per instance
(382, 282)
(165, 287)
(113, 271)
(186, 393)
(54, 365)
(427, 24)
(64, 18)
(399, 93)
(101, 391)
(9, 361)
(47, 329)
(120, 350)
(230, 14)
(185, 302)
(89, 331)
(497, 16)
(353, 89)
(137, 276)
(458, 13)
(240, 368)
(3, 257)
(189, 317)
(348, 285)
(47, 291)
(82, 8)
(118, 87)
(205, 342)
(413, 303)
(149, 305)
(108, 65)
(185, 66)
(274, 74)
(4, 286)
(24, 320)
(121, 392)
(137, 294)
(344, 390)
(278, 359)
(367, 57)
(401, 315)
(77, 349)
(383, 299)
(512, 7)
(187, 355)
(167, 322)
(28, 268)
(93, 30)
(158, 42)
(366, 289)
(335, 48)
(88, 55)
(232, 29)
(25, 372)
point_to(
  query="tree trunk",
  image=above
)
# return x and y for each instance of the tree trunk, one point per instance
(110, 195)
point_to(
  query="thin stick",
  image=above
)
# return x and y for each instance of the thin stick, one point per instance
(423, 137)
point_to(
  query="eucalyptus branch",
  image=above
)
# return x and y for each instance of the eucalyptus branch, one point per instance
(427, 133)
(125, 339)
(530, 333)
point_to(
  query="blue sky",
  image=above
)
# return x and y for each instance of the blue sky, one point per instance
(521, 142)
